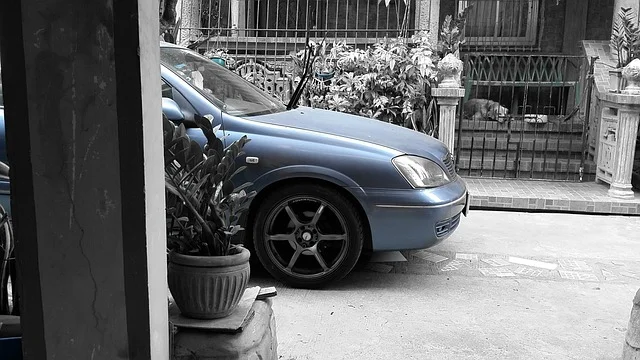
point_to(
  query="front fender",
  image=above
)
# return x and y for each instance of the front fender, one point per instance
(306, 171)
(302, 171)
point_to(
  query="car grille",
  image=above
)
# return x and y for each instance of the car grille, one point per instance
(445, 227)
(448, 163)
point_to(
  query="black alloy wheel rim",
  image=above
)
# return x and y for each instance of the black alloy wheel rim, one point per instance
(305, 237)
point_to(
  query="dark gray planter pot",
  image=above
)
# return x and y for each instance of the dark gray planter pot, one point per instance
(208, 287)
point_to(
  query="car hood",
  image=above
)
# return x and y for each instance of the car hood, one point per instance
(359, 128)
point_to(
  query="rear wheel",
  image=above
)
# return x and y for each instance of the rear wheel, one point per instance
(307, 235)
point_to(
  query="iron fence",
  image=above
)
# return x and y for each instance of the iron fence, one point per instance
(523, 116)
(260, 37)
(270, 29)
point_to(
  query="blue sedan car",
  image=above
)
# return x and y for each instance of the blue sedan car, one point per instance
(330, 186)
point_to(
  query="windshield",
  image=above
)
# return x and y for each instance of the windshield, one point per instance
(227, 90)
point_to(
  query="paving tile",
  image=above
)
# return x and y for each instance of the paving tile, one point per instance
(574, 265)
(463, 256)
(496, 272)
(496, 262)
(453, 265)
(520, 203)
(529, 272)
(429, 256)
(575, 275)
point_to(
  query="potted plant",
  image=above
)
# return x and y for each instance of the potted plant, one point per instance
(207, 273)
(451, 36)
(220, 57)
(624, 45)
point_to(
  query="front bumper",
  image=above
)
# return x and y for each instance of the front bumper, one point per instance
(414, 218)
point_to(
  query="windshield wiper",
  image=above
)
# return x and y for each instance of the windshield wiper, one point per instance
(309, 60)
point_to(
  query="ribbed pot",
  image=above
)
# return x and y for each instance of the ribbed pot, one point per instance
(208, 287)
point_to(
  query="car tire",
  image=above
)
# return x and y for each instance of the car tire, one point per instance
(307, 235)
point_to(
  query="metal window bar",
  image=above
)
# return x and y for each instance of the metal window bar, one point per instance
(267, 31)
(544, 87)
(501, 25)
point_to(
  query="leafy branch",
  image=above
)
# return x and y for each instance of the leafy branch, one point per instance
(203, 205)
(625, 37)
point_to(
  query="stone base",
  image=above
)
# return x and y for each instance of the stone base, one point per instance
(257, 341)
(621, 191)
(630, 353)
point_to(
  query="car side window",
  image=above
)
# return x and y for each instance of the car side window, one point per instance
(167, 90)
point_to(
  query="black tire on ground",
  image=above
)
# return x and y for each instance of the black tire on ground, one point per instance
(327, 249)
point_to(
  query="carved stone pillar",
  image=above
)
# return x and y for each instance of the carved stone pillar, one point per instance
(448, 95)
(618, 131)
(448, 99)
(625, 150)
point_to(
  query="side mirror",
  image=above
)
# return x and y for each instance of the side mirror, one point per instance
(4, 171)
(171, 110)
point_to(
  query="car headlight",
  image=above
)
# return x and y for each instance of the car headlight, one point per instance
(421, 172)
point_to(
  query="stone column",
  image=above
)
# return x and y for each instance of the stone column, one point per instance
(625, 152)
(238, 17)
(448, 95)
(189, 12)
(631, 348)
(427, 17)
(447, 99)
(84, 141)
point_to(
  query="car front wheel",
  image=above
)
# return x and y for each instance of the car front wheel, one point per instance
(307, 235)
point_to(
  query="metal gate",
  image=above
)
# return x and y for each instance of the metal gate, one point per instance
(524, 116)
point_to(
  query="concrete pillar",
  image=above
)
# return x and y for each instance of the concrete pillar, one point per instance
(238, 17)
(631, 348)
(84, 140)
(447, 99)
(617, 140)
(189, 12)
(448, 94)
(625, 152)
(427, 17)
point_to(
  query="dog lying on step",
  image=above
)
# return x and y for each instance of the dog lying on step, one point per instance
(484, 109)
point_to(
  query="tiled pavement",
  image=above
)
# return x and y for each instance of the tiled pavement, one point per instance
(428, 262)
(586, 197)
